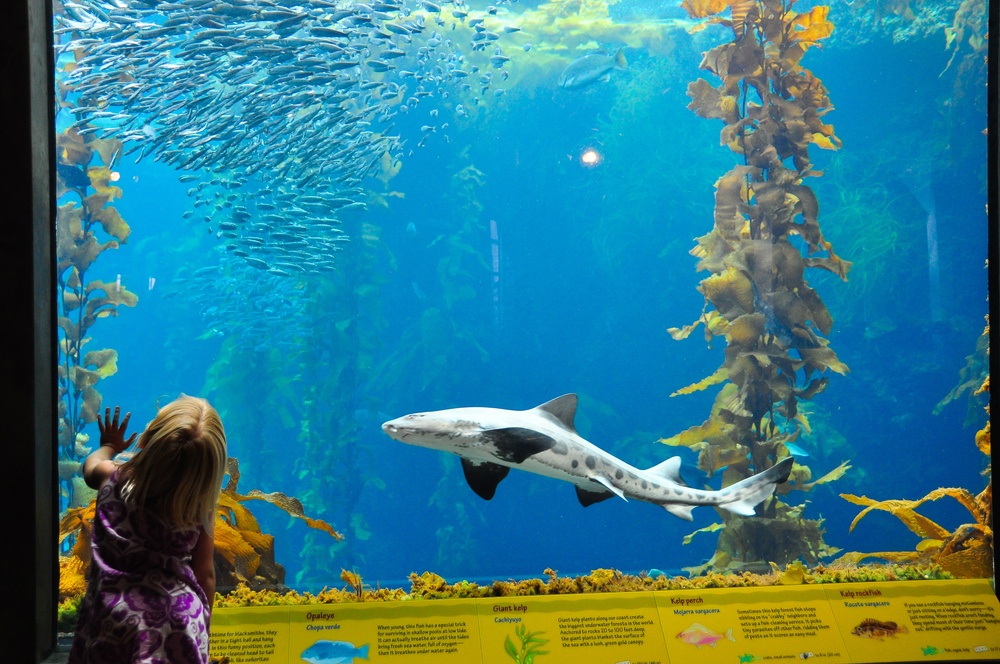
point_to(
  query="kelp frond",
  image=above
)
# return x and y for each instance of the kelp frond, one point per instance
(243, 554)
(904, 510)
(248, 552)
(966, 551)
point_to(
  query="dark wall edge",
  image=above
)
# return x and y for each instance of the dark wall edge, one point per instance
(28, 554)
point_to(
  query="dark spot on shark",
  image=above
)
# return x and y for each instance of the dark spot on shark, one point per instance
(645, 485)
(619, 474)
(515, 444)
(591, 462)
(575, 463)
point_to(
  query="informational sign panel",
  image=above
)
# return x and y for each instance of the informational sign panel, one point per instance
(770, 623)
(873, 622)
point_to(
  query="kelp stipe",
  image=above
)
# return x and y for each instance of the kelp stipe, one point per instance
(766, 233)
(84, 186)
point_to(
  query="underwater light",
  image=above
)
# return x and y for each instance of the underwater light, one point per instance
(590, 158)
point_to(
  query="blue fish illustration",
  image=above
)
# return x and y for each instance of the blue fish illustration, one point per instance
(334, 652)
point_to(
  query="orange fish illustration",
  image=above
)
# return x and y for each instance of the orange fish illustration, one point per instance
(878, 629)
(699, 635)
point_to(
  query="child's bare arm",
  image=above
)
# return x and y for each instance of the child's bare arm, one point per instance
(203, 562)
(98, 466)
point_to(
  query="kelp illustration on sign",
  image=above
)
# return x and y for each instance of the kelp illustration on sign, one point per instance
(766, 234)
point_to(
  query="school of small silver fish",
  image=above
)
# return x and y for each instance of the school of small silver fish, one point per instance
(273, 111)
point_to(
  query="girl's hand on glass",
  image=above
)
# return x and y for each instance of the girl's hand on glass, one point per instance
(113, 433)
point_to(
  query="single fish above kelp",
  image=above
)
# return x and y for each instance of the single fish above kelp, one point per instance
(334, 652)
(592, 68)
(544, 441)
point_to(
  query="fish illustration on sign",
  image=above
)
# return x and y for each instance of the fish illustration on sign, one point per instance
(592, 68)
(699, 635)
(877, 629)
(334, 652)
(543, 440)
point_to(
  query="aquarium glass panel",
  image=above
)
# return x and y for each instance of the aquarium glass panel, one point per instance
(675, 289)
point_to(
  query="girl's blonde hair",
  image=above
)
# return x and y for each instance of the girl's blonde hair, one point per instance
(178, 472)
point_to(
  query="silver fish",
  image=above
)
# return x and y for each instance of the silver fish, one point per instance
(592, 68)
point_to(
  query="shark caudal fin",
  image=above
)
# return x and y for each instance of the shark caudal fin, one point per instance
(748, 493)
(620, 61)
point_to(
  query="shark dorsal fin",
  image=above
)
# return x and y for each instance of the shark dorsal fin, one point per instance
(563, 409)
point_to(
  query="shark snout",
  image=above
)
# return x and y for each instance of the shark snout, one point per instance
(397, 429)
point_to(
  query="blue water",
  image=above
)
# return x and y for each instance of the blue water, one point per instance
(593, 269)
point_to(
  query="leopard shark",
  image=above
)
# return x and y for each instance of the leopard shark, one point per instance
(543, 440)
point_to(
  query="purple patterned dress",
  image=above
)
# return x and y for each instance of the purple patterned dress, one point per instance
(143, 603)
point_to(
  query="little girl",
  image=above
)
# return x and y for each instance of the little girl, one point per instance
(152, 579)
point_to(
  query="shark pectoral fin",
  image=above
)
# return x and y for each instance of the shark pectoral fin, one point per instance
(682, 511)
(669, 469)
(606, 483)
(588, 498)
(483, 478)
(515, 444)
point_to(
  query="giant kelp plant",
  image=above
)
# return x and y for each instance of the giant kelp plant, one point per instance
(84, 178)
(766, 233)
